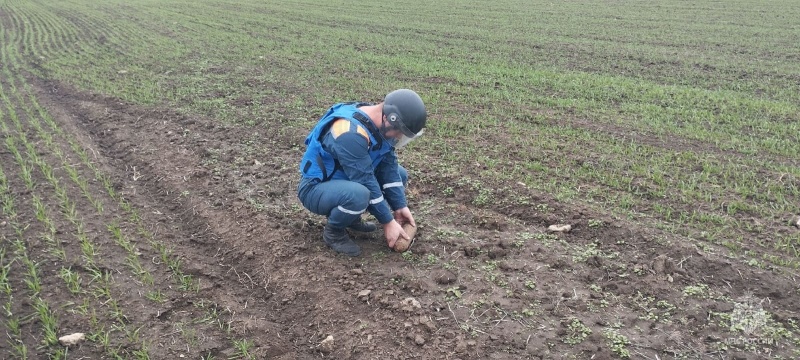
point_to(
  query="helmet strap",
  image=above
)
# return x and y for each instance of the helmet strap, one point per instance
(385, 129)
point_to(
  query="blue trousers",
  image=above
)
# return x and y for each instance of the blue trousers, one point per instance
(342, 201)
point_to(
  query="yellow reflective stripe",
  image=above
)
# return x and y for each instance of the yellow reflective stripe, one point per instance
(340, 127)
(363, 133)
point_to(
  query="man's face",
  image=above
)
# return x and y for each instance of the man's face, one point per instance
(392, 133)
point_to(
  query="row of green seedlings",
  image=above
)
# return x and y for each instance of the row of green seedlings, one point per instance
(95, 26)
(173, 263)
(102, 279)
(50, 37)
(68, 207)
(72, 278)
(29, 22)
(12, 322)
(54, 35)
(32, 281)
(186, 281)
(47, 31)
(24, 25)
(45, 136)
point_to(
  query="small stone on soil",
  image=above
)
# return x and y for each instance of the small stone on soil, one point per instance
(419, 340)
(71, 339)
(565, 228)
(364, 294)
(409, 304)
(326, 346)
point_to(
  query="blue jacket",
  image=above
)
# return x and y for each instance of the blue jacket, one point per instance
(355, 150)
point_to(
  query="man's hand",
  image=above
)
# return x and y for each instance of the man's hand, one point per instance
(403, 216)
(393, 231)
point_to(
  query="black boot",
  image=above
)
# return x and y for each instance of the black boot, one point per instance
(363, 226)
(339, 241)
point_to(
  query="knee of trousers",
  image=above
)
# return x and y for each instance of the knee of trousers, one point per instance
(354, 197)
(352, 202)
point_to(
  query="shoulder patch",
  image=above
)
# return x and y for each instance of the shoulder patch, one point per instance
(340, 127)
(363, 132)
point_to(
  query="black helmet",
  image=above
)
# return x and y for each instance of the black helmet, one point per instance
(405, 111)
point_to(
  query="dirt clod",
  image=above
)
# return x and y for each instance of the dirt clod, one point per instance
(496, 253)
(444, 277)
(410, 304)
(427, 323)
(663, 265)
(461, 346)
(472, 250)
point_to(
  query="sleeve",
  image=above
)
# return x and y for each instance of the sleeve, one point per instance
(351, 150)
(391, 183)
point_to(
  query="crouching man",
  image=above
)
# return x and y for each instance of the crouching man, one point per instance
(350, 167)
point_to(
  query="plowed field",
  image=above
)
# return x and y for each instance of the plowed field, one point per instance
(148, 176)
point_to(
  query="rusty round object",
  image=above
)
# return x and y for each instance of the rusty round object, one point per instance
(402, 244)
